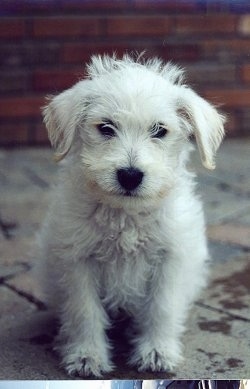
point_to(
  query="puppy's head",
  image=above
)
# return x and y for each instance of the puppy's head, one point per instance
(128, 124)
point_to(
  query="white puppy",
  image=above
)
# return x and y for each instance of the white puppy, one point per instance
(125, 229)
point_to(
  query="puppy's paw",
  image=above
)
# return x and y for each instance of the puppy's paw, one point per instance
(87, 366)
(156, 359)
(84, 362)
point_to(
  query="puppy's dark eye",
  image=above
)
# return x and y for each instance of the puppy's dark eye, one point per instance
(158, 131)
(106, 129)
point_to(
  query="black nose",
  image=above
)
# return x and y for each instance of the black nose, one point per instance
(129, 178)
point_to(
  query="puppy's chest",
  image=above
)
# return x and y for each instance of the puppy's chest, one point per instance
(121, 234)
(127, 259)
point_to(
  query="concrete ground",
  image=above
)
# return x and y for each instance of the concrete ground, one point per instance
(218, 336)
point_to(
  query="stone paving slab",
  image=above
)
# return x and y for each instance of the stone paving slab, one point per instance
(230, 233)
(229, 288)
(222, 206)
(217, 339)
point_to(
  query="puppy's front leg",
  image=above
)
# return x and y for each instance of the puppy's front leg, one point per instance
(82, 341)
(161, 321)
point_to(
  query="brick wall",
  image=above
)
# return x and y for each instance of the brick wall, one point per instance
(45, 43)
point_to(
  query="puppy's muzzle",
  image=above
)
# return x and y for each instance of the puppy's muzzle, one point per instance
(129, 178)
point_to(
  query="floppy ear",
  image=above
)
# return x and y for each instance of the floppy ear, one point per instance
(205, 122)
(61, 116)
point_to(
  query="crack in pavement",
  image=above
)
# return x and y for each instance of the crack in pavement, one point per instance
(40, 305)
(25, 267)
(220, 310)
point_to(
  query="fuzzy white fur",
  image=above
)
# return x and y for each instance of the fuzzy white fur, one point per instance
(103, 248)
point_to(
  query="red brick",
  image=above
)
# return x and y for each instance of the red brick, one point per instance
(13, 81)
(29, 7)
(139, 26)
(66, 26)
(245, 73)
(98, 5)
(15, 56)
(230, 233)
(226, 49)
(12, 28)
(233, 98)
(11, 133)
(81, 52)
(17, 107)
(169, 5)
(206, 24)
(179, 52)
(210, 73)
(49, 80)
(40, 134)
